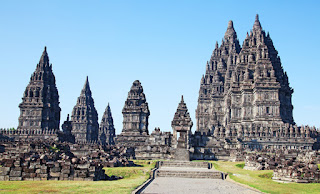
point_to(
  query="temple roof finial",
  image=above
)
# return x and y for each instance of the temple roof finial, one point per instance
(230, 30)
(257, 25)
(86, 87)
(182, 98)
(44, 60)
(230, 24)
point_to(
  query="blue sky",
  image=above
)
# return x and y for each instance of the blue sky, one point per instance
(164, 44)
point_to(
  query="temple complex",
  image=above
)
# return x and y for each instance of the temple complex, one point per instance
(245, 103)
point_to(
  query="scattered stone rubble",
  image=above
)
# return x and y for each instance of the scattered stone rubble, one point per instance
(286, 167)
(40, 160)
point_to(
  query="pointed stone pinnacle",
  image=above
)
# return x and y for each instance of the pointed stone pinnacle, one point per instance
(182, 98)
(86, 87)
(257, 25)
(44, 59)
(230, 24)
(230, 30)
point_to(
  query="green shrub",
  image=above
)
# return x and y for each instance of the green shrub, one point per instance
(241, 165)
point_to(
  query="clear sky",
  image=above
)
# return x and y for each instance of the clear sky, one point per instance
(164, 44)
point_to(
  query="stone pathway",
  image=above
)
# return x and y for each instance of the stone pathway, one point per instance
(191, 185)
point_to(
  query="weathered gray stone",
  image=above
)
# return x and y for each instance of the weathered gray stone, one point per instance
(84, 118)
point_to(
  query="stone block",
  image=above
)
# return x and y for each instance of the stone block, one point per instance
(15, 178)
(78, 179)
(4, 170)
(43, 175)
(54, 174)
(14, 173)
(28, 179)
(55, 169)
(4, 178)
(83, 166)
(65, 171)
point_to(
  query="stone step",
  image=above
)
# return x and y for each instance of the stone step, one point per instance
(185, 164)
(190, 174)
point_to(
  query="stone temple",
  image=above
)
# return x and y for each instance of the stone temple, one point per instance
(135, 117)
(245, 93)
(39, 109)
(107, 132)
(84, 117)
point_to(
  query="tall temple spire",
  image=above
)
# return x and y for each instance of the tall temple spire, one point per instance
(107, 131)
(257, 25)
(84, 117)
(40, 91)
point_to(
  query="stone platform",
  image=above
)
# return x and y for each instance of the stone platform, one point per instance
(187, 170)
(186, 164)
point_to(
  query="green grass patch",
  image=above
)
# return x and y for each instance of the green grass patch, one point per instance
(262, 181)
(133, 177)
(241, 165)
(268, 175)
(319, 166)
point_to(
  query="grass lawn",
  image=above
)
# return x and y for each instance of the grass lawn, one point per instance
(262, 181)
(133, 177)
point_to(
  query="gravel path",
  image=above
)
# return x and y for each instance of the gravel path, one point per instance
(198, 186)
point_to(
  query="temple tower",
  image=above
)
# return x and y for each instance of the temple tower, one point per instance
(84, 117)
(107, 131)
(135, 119)
(39, 109)
(216, 81)
(136, 111)
(244, 88)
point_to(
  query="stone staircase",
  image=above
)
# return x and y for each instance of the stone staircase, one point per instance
(187, 170)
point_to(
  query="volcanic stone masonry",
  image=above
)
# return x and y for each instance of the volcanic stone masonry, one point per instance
(135, 118)
(50, 160)
(84, 117)
(107, 132)
(182, 124)
(244, 104)
(245, 96)
(39, 109)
